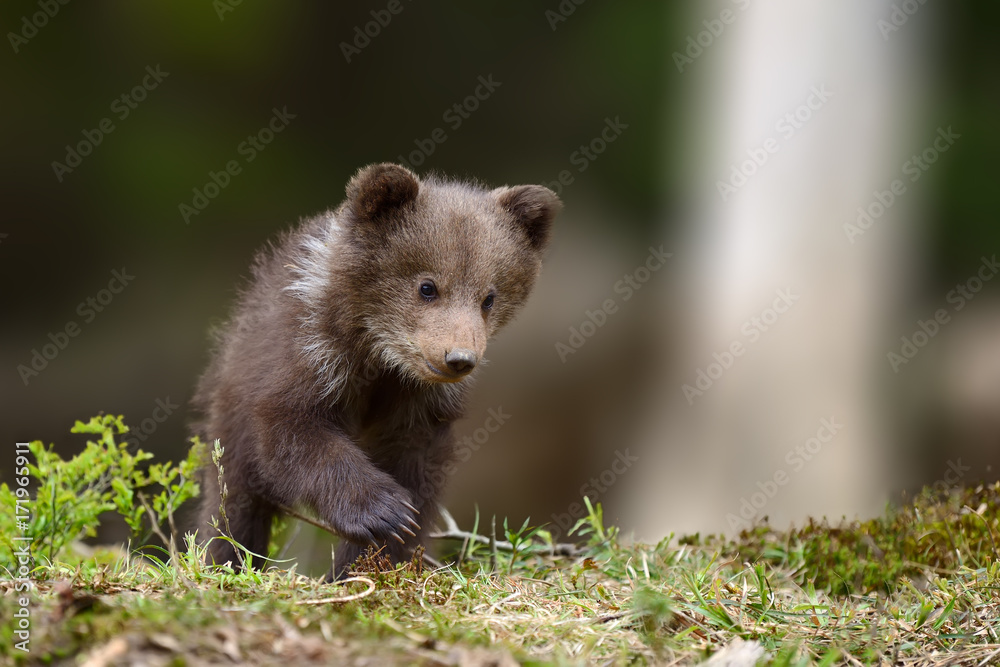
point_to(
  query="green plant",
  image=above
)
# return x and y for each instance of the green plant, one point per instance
(522, 540)
(944, 529)
(71, 495)
(593, 525)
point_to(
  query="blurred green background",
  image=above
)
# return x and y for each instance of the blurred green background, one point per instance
(119, 208)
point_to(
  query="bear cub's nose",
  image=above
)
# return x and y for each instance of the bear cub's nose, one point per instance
(460, 360)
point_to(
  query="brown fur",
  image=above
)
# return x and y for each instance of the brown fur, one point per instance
(331, 386)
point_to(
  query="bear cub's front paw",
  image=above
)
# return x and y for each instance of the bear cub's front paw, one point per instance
(380, 511)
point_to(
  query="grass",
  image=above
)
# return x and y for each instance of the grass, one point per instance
(918, 586)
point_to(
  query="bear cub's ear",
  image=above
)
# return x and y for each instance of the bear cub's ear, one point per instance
(379, 189)
(533, 207)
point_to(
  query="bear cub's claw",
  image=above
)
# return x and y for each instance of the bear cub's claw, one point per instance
(382, 514)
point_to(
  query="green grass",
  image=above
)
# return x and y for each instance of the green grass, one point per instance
(918, 586)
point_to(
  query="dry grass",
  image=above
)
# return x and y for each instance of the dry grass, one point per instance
(920, 586)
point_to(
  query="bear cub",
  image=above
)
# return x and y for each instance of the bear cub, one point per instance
(348, 355)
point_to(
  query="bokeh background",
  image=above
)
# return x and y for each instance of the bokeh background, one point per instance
(690, 88)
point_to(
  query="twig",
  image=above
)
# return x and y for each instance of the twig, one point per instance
(288, 542)
(347, 598)
(493, 544)
(611, 617)
(453, 532)
(987, 659)
(558, 549)
(155, 525)
(308, 519)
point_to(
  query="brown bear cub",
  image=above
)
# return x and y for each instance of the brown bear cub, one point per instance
(335, 384)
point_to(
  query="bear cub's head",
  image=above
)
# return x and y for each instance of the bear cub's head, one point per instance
(437, 266)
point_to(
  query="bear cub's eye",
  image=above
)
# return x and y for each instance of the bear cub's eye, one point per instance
(488, 302)
(428, 290)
